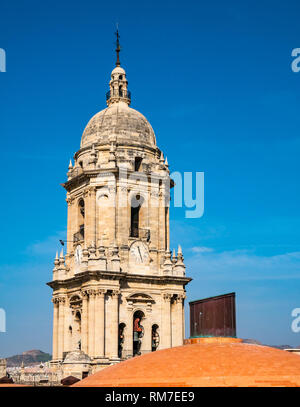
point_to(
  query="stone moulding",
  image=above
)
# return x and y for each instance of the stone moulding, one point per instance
(110, 275)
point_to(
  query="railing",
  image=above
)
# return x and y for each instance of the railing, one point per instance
(140, 232)
(78, 236)
(119, 93)
(127, 354)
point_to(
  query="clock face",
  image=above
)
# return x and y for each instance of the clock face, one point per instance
(78, 254)
(139, 253)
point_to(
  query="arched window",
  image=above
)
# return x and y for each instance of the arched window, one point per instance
(136, 204)
(81, 214)
(121, 339)
(155, 337)
(81, 207)
(77, 331)
(137, 163)
(138, 332)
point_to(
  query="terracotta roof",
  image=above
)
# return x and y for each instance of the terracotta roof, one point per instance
(211, 362)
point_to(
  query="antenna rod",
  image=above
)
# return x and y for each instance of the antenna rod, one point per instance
(118, 49)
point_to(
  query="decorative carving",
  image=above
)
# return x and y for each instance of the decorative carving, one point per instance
(70, 200)
(140, 298)
(167, 296)
(115, 293)
(75, 301)
(59, 299)
(100, 292)
(92, 292)
(84, 293)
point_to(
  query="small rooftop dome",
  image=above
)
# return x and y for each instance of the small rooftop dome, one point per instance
(118, 70)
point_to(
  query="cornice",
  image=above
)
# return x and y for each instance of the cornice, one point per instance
(85, 276)
(119, 144)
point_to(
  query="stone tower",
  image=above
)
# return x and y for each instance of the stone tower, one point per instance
(118, 291)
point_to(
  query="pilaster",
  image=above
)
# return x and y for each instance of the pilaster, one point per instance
(55, 328)
(166, 338)
(91, 328)
(99, 323)
(84, 322)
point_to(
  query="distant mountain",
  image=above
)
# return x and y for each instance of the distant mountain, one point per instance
(252, 341)
(282, 346)
(255, 342)
(30, 357)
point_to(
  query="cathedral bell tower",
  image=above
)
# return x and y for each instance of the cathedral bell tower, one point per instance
(117, 291)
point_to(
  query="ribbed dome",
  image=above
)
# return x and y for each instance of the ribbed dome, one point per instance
(77, 356)
(121, 120)
(213, 362)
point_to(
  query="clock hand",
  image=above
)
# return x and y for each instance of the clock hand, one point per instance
(140, 254)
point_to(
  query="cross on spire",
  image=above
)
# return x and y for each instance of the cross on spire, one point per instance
(118, 49)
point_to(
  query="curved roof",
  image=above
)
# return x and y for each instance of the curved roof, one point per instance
(208, 363)
(119, 70)
(77, 356)
(127, 124)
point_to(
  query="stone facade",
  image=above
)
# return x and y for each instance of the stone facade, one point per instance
(118, 265)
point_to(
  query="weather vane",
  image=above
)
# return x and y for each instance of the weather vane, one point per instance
(118, 49)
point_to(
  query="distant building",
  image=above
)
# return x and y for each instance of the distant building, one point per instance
(296, 351)
(39, 375)
(2, 367)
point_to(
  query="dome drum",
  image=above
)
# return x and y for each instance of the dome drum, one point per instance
(118, 94)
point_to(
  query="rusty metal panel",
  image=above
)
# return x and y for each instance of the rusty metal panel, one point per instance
(214, 316)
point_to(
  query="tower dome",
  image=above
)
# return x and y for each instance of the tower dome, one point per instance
(127, 124)
(118, 119)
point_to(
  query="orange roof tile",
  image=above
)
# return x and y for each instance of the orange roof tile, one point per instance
(206, 363)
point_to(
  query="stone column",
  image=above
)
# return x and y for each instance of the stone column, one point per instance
(93, 214)
(147, 338)
(128, 339)
(177, 317)
(99, 323)
(55, 329)
(113, 220)
(91, 330)
(70, 227)
(167, 228)
(84, 323)
(154, 223)
(90, 216)
(60, 341)
(161, 221)
(183, 317)
(66, 326)
(112, 327)
(166, 333)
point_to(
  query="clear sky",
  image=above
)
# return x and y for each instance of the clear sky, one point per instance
(215, 81)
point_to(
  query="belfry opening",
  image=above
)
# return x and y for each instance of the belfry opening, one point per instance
(138, 332)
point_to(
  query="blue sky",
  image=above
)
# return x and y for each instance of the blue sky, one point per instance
(215, 81)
